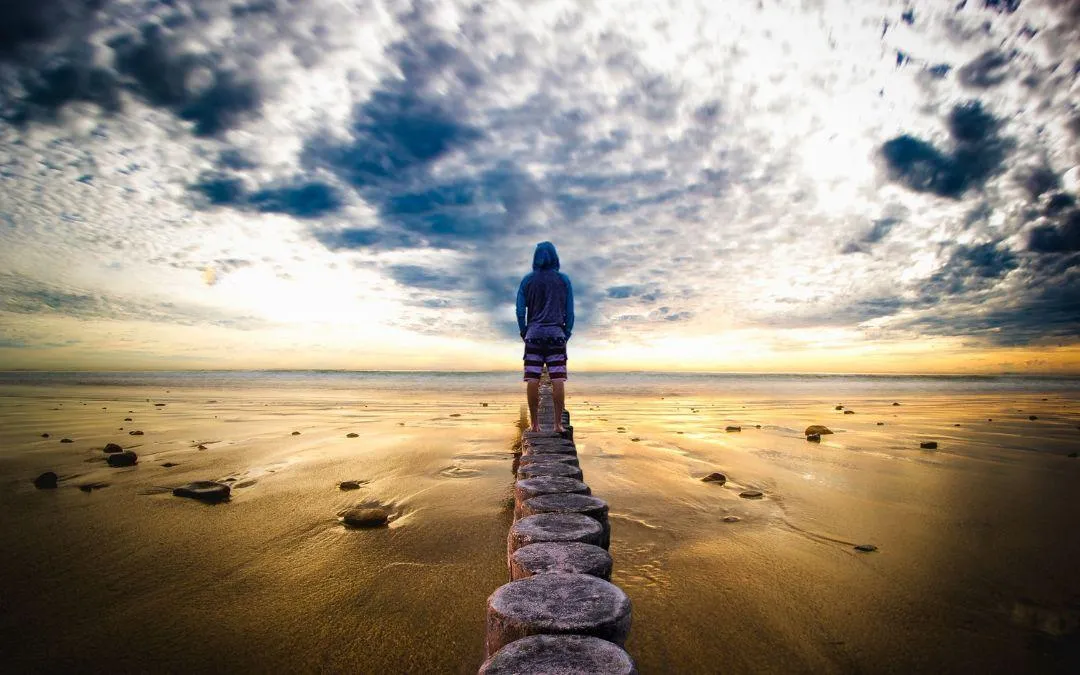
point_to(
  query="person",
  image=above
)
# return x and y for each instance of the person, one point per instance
(545, 316)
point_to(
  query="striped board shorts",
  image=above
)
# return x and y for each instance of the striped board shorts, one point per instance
(550, 351)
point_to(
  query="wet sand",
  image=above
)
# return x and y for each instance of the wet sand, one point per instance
(975, 567)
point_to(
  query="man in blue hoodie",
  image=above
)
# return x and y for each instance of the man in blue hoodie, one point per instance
(545, 316)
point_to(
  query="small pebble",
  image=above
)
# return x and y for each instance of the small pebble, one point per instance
(455, 414)
(352, 435)
(201, 447)
(1032, 417)
(111, 448)
(635, 439)
(881, 424)
(127, 419)
(90, 487)
(66, 440)
(928, 445)
(135, 433)
(169, 465)
(751, 494)
(866, 548)
(296, 433)
(849, 412)
(349, 485)
(715, 477)
(732, 519)
(733, 428)
(44, 435)
(895, 403)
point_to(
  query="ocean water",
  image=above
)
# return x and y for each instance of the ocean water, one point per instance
(608, 383)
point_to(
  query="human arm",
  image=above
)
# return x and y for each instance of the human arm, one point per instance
(569, 327)
(520, 308)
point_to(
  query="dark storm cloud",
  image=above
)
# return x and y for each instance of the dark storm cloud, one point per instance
(987, 70)
(303, 200)
(1039, 180)
(26, 23)
(978, 154)
(161, 71)
(969, 267)
(1062, 233)
(221, 189)
(153, 62)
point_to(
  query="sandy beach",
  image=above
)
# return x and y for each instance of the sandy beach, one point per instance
(975, 567)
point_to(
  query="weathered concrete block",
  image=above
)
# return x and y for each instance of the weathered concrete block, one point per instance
(549, 449)
(545, 485)
(556, 604)
(548, 469)
(560, 655)
(552, 527)
(550, 556)
(531, 458)
(587, 505)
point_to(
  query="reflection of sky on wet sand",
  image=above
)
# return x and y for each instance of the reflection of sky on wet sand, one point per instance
(974, 567)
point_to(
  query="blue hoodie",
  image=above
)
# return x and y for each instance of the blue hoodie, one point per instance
(545, 298)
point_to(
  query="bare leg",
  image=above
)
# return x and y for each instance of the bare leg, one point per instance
(532, 392)
(558, 396)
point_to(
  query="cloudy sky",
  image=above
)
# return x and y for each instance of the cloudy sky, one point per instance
(777, 185)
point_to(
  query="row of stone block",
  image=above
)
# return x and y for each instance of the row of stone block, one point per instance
(559, 613)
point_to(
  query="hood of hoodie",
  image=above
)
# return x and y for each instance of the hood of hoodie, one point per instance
(545, 257)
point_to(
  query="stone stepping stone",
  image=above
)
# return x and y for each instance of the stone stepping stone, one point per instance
(525, 460)
(207, 491)
(550, 556)
(560, 655)
(552, 527)
(556, 604)
(586, 505)
(549, 450)
(548, 469)
(527, 434)
(528, 488)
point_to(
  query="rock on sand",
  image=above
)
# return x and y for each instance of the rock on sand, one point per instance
(751, 494)
(46, 481)
(928, 445)
(365, 517)
(819, 429)
(715, 477)
(816, 438)
(125, 458)
(204, 490)
(110, 448)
